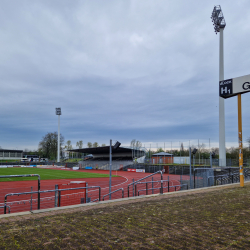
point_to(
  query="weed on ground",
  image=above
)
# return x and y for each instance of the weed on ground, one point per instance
(218, 219)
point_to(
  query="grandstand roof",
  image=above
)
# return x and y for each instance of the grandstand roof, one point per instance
(162, 154)
(10, 150)
(102, 150)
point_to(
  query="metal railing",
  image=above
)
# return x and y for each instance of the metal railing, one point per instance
(161, 181)
(114, 192)
(49, 191)
(27, 175)
(168, 187)
(7, 207)
(133, 183)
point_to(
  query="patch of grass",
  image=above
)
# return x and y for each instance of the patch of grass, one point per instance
(46, 174)
(214, 220)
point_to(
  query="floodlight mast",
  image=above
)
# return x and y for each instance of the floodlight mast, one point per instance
(58, 112)
(219, 25)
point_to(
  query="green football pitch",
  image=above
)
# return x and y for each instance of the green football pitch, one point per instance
(46, 174)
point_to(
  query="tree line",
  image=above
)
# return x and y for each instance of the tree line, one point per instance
(47, 147)
(231, 153)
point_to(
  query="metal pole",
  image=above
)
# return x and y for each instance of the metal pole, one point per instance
(58, 143)
(110, 168)
(38, 195)
(152, 185)
(162, 183)
(190, 167)
(168, 183)
(199, 152)
(211, 165)
(240, 141)
(86, 198)
(31, 199)
(133, 187)
(222, 143)
(194, 177)
(56, 195)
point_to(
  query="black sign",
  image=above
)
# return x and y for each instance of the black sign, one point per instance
(226, 88)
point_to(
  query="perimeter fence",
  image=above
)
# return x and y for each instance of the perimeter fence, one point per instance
(49, 196)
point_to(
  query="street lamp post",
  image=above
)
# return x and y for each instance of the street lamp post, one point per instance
(116, 146)
(219, 25)
(58, 112)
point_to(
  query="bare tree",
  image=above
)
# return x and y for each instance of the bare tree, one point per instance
(48, 145)
(79, 144)
(68, 145)
(132, 143)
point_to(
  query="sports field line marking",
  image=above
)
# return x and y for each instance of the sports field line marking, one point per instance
(114, 185)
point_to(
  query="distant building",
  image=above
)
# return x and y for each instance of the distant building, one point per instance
(181, 160)
(9, 154)
(161, 158)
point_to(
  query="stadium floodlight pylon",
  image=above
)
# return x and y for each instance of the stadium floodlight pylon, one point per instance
(58, 112)
(219, 26)
(218, 19)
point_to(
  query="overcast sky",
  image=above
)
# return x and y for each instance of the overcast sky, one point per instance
(119, 69)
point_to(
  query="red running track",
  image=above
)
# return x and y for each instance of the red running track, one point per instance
(27, 203)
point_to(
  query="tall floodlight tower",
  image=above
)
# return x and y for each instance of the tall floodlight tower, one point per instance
(219, 25)
(58, 112)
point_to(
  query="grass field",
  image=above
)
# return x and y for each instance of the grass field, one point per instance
(46, 174)
(217, 219)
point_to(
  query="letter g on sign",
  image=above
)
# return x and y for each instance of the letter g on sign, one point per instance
(246, 85)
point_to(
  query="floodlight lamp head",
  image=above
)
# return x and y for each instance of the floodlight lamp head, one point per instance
(58, 111)
(117, 145)
(218, 19)
(194, 151)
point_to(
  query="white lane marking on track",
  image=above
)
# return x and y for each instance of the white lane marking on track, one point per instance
(114, 185)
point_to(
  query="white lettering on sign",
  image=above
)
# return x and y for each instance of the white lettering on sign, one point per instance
(225, 91)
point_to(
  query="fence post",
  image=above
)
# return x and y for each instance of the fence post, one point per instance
(56, 195)
(133, 187)
(31, 199)
(59, 199)
(152, 185)
(5, 201)
(146, 188)
(39, 195)
(162, 183)
(194, 177)
(168, 183)
(86, 198)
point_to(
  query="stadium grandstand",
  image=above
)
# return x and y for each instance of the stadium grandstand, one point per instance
(10, 154)
(121, 157)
